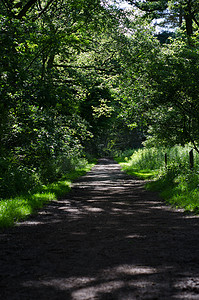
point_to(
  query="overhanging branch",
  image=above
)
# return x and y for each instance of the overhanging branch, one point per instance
(24, 10)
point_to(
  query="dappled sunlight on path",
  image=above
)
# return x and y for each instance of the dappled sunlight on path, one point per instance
(107, 239)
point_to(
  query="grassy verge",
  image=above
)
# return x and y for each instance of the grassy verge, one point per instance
(176, 184)
(19, 208)
(136, 172)
(134, 169)
(179, 190)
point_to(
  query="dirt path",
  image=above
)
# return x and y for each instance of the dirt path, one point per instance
(108, 239)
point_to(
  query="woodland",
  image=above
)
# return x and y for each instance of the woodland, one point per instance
(82, 79)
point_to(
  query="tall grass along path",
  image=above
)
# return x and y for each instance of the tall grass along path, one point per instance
(108, 238)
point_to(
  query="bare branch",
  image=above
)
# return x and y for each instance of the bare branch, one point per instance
(8, 7)
(24, 10)
(44, 9)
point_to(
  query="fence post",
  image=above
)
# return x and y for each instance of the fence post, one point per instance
(165, 160)
(191, 160)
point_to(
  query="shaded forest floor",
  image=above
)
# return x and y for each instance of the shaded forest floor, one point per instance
(108, 238)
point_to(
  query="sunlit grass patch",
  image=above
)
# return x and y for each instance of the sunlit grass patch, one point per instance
(127, 166)
(19, 208)
(141, 174)
(14, 209)
(56, 189)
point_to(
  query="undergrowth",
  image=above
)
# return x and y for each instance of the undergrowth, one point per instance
(20, 207)
(176, 182)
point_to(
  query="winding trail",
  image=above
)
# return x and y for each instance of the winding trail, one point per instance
(108, 239)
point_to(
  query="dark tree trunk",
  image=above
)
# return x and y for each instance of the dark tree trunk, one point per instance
(189, 24)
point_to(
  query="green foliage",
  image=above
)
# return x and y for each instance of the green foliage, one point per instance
(40, 146)
(176, 183)
(146, 158)
(164, 101)
(179, 187)
(19, 208)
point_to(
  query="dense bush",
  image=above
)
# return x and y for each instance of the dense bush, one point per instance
(40, 147)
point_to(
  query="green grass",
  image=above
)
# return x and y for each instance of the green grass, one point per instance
(176, 184)
(19, 208)
(178, 192)
(141, 174)
(127, 166)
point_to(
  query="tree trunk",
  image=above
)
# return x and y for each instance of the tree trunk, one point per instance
(189, 24)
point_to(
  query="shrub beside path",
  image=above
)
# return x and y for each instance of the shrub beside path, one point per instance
(107, 239)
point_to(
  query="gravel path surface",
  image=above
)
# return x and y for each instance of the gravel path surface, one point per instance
(107, 239)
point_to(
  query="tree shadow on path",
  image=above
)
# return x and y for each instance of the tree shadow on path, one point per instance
(108, 238)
